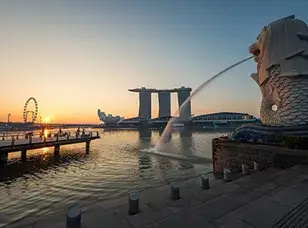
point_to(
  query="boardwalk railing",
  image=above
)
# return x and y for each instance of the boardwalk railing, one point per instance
(36, 141)
(45, 137)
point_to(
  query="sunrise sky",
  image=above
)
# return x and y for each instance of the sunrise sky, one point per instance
(75, 56)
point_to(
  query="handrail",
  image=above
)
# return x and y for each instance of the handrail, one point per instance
(31, 135)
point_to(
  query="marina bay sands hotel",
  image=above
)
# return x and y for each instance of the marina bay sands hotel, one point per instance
(164, 99)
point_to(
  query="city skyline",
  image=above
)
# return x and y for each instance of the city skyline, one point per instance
(76, 57)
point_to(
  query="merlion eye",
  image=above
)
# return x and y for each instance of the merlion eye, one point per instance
(274, 108)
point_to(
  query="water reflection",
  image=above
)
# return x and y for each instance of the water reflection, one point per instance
(145, 133)
(145, 162)
(41, 161)
(186, 147)
(45, 183)
(186, 132)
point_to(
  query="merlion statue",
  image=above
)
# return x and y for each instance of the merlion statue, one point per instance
(281, 53)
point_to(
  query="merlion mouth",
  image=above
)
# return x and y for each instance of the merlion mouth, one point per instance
(254, 49)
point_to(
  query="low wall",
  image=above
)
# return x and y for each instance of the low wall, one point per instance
(232, 154)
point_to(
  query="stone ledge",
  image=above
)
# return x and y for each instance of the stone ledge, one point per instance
(232, 154)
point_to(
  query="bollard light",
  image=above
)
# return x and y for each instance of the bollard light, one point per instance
(133, 203)
(245, 169)
(204, 182)
(174, 191)
(256, 166)
(73, 217)
(227, 174)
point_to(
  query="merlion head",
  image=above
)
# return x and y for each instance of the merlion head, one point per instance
(281, 53)
(278, 44)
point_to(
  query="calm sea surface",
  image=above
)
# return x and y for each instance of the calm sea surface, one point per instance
(116, 164)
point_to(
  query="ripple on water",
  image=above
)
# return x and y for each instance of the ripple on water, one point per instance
(116, 164)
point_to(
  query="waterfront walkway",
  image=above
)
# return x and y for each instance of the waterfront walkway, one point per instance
(21, 139)
(23, 143)
(255, 200)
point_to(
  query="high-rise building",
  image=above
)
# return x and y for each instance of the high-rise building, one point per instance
(145, 103)
(164, 98)
(164, 101)
(185, 112)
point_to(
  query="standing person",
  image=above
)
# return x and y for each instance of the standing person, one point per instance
(42, 132)
(77, 132)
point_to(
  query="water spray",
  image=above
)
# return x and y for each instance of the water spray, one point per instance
(168, 129)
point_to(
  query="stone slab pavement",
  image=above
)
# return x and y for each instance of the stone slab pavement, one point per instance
(252, 201)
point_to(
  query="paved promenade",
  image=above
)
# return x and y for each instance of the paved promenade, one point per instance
(250, 201)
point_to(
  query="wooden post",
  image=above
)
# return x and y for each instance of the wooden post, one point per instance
(57, 150)
(24, 155)
(87, 146)
(13, 141)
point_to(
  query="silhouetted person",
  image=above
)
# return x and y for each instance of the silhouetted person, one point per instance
(78, 132)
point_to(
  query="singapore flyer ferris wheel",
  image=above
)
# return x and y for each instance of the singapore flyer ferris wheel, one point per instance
(33, 112)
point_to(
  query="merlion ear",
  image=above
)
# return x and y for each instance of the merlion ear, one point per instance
(255, 77)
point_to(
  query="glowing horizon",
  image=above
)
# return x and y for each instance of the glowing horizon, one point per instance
(76, 57)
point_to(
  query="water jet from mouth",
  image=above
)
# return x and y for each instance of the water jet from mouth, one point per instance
(168, 129)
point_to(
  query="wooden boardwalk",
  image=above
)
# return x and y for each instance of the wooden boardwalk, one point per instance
(24, 142)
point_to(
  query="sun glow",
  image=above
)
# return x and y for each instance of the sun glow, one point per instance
(47, 119)
(46, 132)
